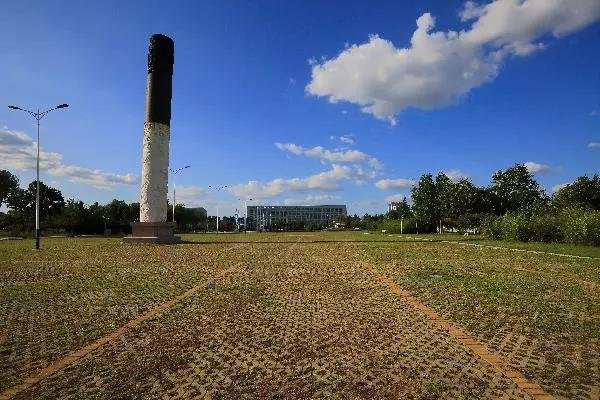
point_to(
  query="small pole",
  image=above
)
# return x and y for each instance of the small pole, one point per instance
(175, 172)
(173, 202)
(37, 192)
(401, 221)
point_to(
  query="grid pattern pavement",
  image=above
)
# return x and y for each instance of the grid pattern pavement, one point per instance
(290, 321)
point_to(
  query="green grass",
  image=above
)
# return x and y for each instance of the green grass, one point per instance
(560, 248)
(75, 290)
(283, 237)
(520, 304)
(370, 236)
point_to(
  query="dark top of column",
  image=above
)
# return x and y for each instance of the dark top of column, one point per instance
(160, 72)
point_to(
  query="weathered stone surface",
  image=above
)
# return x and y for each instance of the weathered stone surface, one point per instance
(155, 166)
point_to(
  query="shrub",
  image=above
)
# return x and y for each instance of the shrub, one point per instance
(393, 226)
(581, 226)
(577, 226)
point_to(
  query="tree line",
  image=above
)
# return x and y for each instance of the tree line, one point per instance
(512, 207)
(74, 216)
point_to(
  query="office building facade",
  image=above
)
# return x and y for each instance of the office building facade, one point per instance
(293, 217)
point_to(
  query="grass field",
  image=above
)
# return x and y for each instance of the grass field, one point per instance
(560, 248)
(297, 315)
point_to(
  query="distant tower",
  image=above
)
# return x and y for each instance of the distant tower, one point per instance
(393, 206)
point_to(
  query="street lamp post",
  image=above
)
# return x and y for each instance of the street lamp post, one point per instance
(38, 115)
(218, 188)
(175, 172)
(245, 212)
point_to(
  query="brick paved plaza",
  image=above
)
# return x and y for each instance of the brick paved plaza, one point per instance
(296, 316)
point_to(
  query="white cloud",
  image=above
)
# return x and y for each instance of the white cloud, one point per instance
(534, 167)
(325, 181)
(556, 188)
(346, 139)
(189, 195)
(292, 148)
(18, 151)
(395, 198)
(455, 174)
(361, 175)
(312, 200)
(594, 145)
(395, 184)
(440, 67)
(93, 177)
(337, 155)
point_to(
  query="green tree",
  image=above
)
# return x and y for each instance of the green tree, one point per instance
(444, 193)
(119, 216)
(583, 192)
(8, 184)
(96, 218)
(404, 210)
(424, 197)
(466, 198)
(74, 217)
(515, 189)
(21, 203)
(23, 200)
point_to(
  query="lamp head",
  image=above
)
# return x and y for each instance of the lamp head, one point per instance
(14, 107)
(62, 106)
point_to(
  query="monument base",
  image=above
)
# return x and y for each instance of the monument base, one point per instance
(152, 233)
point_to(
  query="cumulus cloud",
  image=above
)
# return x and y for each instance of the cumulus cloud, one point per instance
(455, 174)
(189, 195)
(594, 145)
(401, 183)
(346, 139)
(325, 155)
(325, 181)
(395, 198)
(18, 151)
(534, 167)
(312, 200)
(93, 177)
(440, 67)
(556, 188)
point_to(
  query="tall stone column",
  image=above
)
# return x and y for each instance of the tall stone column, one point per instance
(153, 226)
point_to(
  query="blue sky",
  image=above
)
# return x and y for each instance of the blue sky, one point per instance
(263, 91)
